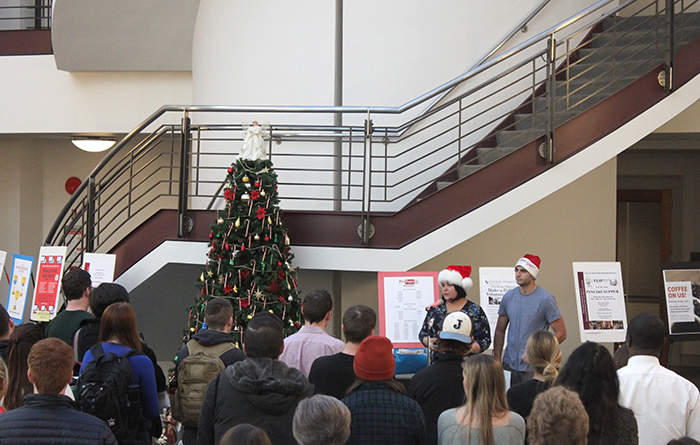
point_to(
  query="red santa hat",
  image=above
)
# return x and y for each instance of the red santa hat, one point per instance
(530, 263)
(458, 276)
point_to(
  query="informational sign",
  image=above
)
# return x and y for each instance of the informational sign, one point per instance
(403, 297)
(682, 292)
(3, 256)
(48, 283)
(19, 286)
(601, 302)
(494, 282)
(100, 266)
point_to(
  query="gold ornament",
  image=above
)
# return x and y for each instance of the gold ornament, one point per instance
(286, 239)
(235, 289)
(249, 316)
(202, 277)
(245, 179)
(262, 192)
(238, 223)
(220, 221)
(191, 329)
(221, 280)
(210, 273)
(245, 197)
(269, 221)
(258, 295)
(256, 237)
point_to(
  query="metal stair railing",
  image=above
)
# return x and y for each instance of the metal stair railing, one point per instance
(177, 158)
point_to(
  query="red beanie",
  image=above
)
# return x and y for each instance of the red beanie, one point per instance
(374, 359)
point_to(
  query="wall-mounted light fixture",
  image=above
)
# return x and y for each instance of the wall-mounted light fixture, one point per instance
(93, 144)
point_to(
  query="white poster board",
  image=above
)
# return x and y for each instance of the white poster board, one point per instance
(403, 297)
(3, 256)
(100, 266)
(682, 292)
(601, 302)
(19, 286)
(494, 282)
(48, 283)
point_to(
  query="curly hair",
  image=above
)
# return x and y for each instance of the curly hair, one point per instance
(558, 418)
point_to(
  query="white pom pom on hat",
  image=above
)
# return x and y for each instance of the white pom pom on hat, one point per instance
(458, 276)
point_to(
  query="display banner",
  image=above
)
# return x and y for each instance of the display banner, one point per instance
(48, 283)
(494, 282)
(601, 302)
(682, 292)
(100, 266)
(19, 286)
(403, 297)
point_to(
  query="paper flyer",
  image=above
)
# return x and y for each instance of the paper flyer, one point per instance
(403, 297)
(601, 301)
(682, 292)
(48, 283)
(494, 282)
(3, 256)
(19, 286)
(100, 266)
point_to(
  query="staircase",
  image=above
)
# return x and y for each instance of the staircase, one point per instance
(481, 142)
(616, 53)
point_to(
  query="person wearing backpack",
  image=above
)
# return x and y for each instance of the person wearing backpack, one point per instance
(48, 416)
(204, 357)
(121, 392)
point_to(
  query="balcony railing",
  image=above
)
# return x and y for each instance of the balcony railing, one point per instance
(25, 14)
(177, 158)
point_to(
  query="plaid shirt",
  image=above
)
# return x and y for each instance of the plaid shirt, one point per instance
(481, 331)
(382, 416)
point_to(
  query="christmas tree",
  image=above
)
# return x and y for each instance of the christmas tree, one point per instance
(249, 261)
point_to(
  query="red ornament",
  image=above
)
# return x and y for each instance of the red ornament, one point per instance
(228, 194)
(204, 292)
(274, 287)
(242, 247)
(245, 303)
(254, 195)
(230, 170)
(260, 213)
(279, 263)
(296, 324)
(267, 238)
(245, 274)
(280, 275)
(257, 184)
(227, 247)
(228, 289)
(211, 235)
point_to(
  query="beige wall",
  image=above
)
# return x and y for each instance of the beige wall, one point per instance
(576, 223)
(33, 172)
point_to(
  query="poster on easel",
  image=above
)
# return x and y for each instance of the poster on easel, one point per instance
(682, 292)
(601, 302)
(100, 266)
(19, 286)
(403, 297)
(494, 282)
(48, 283)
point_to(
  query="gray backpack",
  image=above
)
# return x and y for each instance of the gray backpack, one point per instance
(193, 375)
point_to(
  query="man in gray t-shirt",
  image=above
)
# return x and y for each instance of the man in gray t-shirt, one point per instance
(527, 308)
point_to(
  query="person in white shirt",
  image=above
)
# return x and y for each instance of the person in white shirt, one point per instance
(666, 405)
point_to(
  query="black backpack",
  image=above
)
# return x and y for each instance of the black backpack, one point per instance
(106, 390)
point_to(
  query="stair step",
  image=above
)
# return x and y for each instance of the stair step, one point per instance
(648, 21)
(527, 121)
(643, 37)
(618, 54)
(465, 170)
(631, 68)
(488, 155)
(574, 102)
(518, 138)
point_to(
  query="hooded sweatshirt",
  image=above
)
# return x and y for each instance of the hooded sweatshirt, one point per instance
(260, 391)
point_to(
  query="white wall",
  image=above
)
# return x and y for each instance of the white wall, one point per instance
(37, 98)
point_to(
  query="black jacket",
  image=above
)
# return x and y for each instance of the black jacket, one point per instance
(260, 391)
(48, 418)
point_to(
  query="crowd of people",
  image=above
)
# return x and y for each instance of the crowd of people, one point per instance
(89, 377)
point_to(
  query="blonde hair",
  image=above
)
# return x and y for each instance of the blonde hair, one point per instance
(558, 417)
(544, 355)
(485, 391)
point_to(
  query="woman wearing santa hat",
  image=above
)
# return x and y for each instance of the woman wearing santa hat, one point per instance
(454, 285)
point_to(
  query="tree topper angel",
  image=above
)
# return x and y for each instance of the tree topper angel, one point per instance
(253, 148)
